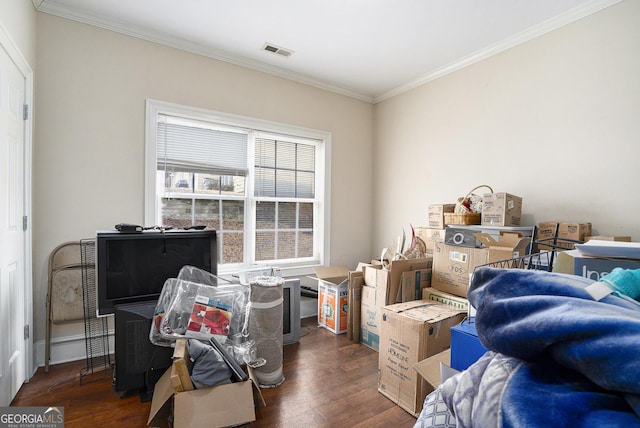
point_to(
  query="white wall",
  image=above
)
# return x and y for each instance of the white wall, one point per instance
(91, 88)
(18, 17)
(555, 120)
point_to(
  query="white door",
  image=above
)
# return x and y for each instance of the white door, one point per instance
(12, 235)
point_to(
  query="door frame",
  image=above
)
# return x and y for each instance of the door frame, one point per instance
(7, 43)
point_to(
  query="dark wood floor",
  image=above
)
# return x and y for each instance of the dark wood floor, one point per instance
(329, 382)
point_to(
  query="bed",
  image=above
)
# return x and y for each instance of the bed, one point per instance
(563, 352)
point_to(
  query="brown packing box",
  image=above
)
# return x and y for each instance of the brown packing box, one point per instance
(437, 296)
(388, 280)
(431, 368)
(356, 282)
(574, 231)
(452, 266)
(430, 236)
(218, 406)
(508, 246)
(546, 231)
(412, 284)
(333, 295)
(609, 238)
(501, 209)
(435, 215)
(370, 318)
(409, 333)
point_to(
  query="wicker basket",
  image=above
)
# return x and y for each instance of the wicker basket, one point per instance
(461, 214)
(468, 218)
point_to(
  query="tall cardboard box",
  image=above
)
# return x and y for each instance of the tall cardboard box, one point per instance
(501, 209)
(370, 319)
(453, 265)
(333, 298)
(388, 280)
(412, 283)
(435, 215)
(409, 333)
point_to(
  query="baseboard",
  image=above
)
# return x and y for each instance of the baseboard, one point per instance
(66, 349)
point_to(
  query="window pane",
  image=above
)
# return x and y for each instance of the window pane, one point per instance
(285, 184)
(207, 212)
(306, 216)
(180, 182)
(265, 153)
(265, 182)
(265, 246)
(232, 247)
(305, 158)
(177, 212)
(287, 215)
(285, 155)
(286, 245)
(305, 244)
(212, 184)
(232, 215)
(265, 215)
(305, 185)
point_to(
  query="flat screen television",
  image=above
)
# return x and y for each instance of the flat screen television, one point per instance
(133, 267)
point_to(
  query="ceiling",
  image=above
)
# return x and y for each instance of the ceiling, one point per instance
(366, 49)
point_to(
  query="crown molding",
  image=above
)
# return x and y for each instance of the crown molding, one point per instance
(519, 38)
(52, 8)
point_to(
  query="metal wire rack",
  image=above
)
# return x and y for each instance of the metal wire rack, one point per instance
(538, 259)
(96, 329)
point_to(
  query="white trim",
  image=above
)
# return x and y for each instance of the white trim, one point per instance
(199, 49)
(515, 40)
(196, 48)
(156, 107)
(7, 43)
(67, 348)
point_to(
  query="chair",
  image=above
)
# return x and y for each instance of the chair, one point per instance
(64, 294)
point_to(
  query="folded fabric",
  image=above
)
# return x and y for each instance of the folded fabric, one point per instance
(561, 353)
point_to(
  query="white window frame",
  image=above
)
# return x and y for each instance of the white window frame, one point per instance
(254, 127)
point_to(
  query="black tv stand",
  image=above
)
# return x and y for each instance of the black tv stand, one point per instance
(139, 363)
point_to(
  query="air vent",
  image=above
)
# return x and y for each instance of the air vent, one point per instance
(277, 50)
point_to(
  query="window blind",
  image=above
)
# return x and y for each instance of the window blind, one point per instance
(185, 147)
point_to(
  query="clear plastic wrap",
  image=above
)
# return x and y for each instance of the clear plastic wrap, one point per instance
(202, 309)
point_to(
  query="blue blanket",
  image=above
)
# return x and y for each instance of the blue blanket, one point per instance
(557, 356)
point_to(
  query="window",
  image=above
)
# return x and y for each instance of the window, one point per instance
(262, 186)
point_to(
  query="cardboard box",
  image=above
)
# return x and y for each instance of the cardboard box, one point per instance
(575, 263)
(466, 347)
(370, 318)
(430, 236)
(371, 274)
(546, 231)
(354, 297)
(574, 231)
(452, 267)
(437, 296)
(501, 209)
(388, 281)
(508, 246)
(412, 284)
(409, 333)
(435, 215)
(218, 406)
(431, 368)
(333, 298)
(609, 238)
